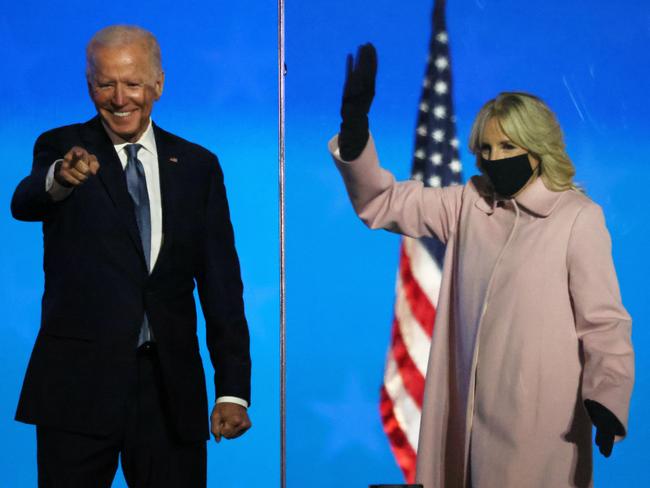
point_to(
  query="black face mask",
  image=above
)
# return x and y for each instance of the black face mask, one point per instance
(508, 175)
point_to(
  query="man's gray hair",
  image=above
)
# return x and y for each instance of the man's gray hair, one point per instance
(122, 35)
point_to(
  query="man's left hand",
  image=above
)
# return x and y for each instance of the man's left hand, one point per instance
(229, 420)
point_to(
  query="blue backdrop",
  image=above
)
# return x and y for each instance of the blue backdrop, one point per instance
(588, 59)
(220, 91)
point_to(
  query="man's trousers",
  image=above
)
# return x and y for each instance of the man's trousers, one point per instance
(150, 454)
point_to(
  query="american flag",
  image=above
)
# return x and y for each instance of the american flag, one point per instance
(435, 163)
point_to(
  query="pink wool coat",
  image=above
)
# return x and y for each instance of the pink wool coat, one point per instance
(529, 324)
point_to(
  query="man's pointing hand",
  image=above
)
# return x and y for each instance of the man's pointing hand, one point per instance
(77, 166)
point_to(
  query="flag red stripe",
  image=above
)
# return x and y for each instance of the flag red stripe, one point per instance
(421, 308)
(411, 377)
(402, 450)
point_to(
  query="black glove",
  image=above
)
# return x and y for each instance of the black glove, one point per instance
(607, 426)
(358, 92)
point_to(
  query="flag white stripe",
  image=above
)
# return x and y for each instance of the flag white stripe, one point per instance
(406, 410)
(416, 340)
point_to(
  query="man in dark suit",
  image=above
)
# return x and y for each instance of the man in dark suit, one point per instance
(133, 217)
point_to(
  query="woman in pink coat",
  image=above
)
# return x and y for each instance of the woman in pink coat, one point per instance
(531, 345)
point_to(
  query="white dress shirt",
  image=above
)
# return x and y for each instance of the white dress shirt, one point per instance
(148, 156)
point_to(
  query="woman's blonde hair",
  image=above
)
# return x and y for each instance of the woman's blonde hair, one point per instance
(528, 122)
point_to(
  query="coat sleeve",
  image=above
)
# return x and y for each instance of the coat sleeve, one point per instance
(602, 323)
(407, 208)
(31, 202)
(220, 290)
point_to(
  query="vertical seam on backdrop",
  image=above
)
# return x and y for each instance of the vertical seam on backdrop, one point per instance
(281, 163)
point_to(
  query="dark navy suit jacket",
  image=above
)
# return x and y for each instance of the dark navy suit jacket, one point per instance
(97, 288)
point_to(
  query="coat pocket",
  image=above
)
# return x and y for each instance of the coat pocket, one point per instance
(67, 327)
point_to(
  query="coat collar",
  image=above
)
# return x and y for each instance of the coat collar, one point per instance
(537, 199)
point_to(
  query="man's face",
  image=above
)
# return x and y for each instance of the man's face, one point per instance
(124, 85)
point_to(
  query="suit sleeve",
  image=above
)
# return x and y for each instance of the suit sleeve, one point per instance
(407, 208)
(220, 291)
(31, 202)
(602, 323)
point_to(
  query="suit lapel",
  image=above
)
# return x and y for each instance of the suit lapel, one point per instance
(167, 161)
(111, 176)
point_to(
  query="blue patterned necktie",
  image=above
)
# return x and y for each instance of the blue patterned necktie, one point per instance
(136, 183)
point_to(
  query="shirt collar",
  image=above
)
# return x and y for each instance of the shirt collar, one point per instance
(147, 139)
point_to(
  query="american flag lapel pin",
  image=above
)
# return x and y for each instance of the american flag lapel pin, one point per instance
(173, 159)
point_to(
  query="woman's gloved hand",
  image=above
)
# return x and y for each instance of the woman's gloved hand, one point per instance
(607, 426)
(358, 92)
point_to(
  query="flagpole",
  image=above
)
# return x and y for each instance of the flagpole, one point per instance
(281, 163)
